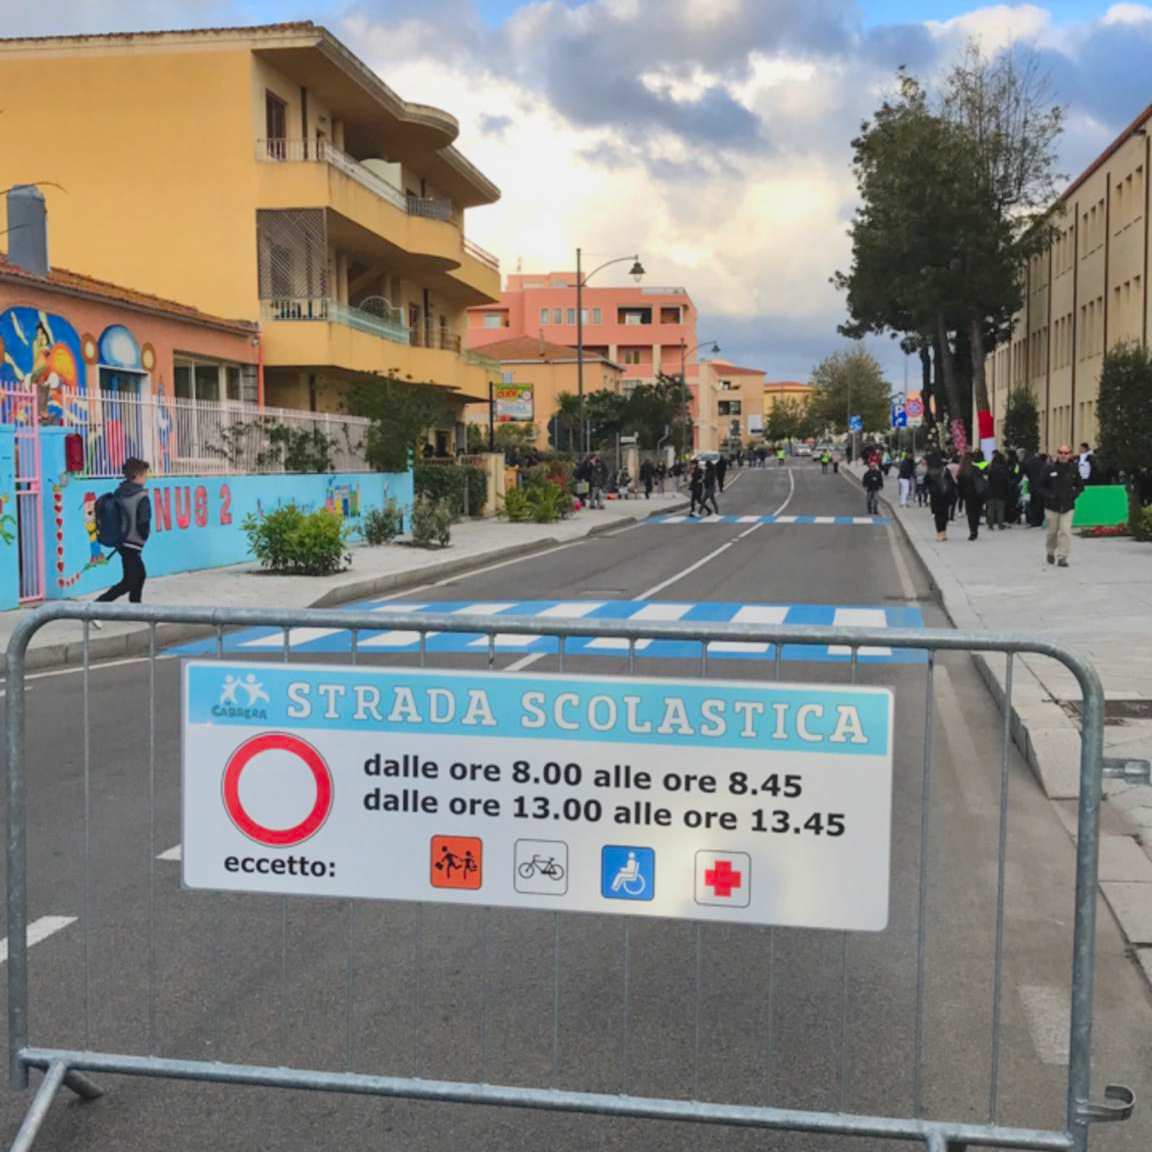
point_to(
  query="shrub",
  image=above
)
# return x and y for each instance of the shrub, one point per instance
(431, 522)
(542, 503)
(449, 482)
(1141, 523)
(383, 525)
(296, 542)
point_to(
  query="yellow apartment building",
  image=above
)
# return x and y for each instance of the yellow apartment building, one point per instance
(264, 173)
(1087, 293)
(731, 408)
(791, 390)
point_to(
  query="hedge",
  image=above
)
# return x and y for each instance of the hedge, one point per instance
(447, 482)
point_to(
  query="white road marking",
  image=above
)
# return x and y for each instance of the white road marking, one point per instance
(723, 547)
(859, 618)
(393, 640)
(738, 646)
(616, 644)
(761, 614)
(787, 519)
(571, 609)
(662, 612)
(675, 519)
(40, 929)
(824, 520)
(295, 636)
(1046, 1010)
(176, 853)
(400, 607)
(525, 662)
(506, 640)
(747, 519)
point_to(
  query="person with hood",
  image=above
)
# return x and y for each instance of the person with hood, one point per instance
(973, 485)
(721, 472)
(873, 481)
(599, 480)
(710, 474)
(696, 488)
(132, 507)
(941, 493)
(999, 491)
(906, 475)
(647, 477)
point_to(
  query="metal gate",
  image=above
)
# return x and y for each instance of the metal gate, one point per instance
(23, 410)
(69, 1063)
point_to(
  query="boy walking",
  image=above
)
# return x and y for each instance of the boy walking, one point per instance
(873, 482)
(124, 521)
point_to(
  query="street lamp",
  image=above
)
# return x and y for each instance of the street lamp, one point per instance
(684, 354)
(637, 273)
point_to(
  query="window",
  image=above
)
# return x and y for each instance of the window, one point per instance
(669, 315)
(557, 316)
(729, 407)
(493, 319)
(630, 355)
(596, 316)
(633, 316)
(213, 382)
(276, 125)
(571, 315)
(544, 314)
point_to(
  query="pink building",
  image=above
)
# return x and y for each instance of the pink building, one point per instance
(644, 330)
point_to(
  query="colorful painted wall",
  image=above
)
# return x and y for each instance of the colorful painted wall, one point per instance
(196, 520)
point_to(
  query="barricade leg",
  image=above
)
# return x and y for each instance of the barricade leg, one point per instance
(58, 1073)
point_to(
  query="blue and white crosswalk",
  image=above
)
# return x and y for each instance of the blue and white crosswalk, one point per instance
(840, 521)
(337, 640)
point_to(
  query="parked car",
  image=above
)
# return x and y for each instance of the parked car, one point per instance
(802, 450)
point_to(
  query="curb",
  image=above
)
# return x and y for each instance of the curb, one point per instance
(138, 641)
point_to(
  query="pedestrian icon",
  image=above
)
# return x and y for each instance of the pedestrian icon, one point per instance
(627, 872)
(457, 862)
(541, 867)
(724, 878)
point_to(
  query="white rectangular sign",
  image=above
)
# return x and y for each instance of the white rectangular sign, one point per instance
(739, 801)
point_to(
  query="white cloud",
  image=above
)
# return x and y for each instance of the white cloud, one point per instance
(997, 27)
(1127, 14)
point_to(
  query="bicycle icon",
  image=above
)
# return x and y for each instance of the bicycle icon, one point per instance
(543, 866)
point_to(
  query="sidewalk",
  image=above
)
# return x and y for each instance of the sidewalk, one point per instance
(374, 571)
(1100, 606)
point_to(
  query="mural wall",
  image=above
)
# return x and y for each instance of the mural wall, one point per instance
(196, 520)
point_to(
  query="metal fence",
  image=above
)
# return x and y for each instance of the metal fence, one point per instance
(140, 1049)
(182, 437)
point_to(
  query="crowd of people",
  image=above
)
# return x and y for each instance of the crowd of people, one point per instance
(1030, 489)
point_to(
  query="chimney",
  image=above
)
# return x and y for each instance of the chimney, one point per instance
(28, 229)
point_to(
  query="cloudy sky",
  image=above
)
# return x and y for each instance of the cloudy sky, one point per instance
(712, 136)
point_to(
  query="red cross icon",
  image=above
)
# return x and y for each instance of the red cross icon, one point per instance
(722, 878)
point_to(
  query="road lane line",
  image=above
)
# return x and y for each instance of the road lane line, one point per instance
(175, 853)
(39, 930)
(718, 551)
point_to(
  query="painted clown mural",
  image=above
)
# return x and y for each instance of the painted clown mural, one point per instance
(41, 351)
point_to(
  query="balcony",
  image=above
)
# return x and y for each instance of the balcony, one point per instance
(307, 173)
(314, 332)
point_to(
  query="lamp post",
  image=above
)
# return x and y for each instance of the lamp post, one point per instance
(636, 272)
(684, 354)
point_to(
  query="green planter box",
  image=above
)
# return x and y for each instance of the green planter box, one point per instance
(1101, 505)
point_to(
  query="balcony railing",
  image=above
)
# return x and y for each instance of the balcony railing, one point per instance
(482, 254)
(324, 152)
(294, 308)
(436, 338)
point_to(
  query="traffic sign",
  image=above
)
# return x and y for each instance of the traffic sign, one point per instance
(855, 424)
(745, 801)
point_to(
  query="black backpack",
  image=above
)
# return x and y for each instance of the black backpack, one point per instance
(979, 483)
(111, 520)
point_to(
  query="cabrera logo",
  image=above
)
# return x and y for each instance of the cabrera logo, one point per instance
(229, 704)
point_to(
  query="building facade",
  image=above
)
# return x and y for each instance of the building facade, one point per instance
(731, 406)
(1087, 293)
(791, 390)
(644, 330)
(551, 370)
(266, 174)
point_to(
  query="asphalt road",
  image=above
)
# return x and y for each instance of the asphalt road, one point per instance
(722, 1013)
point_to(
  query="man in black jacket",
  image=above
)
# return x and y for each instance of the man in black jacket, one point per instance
(873, 481)
(1061, 484)
(137, 508)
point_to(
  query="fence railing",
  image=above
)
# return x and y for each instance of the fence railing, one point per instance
(311, 308)
(482, 254)
(806, 1010)
(181, 437)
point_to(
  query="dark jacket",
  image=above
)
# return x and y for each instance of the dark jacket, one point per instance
(907, 468)
(941, 487)
(709, 478)
(999, 480)
(138, 505)
(1060, 484)
(973, 483)
(873, 480)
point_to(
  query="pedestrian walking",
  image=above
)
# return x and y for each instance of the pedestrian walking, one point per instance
(1061, 482)
(825, 460)
(905, 475)
(941, 488)
(124, 522)
(920, 478)
(710, 474)
(696, 488)
(999, 491)
(973, 486)
(647, 477)
(836, 461)
(953, 467)
(873, 481)
(1086, 465)
(1034, 468)
(721, 472)
(779, 457)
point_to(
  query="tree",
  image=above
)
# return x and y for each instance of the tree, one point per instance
(849, 383)
(785, 420)
(401, 414)
(1022, 420)
(1124, 413)
(515, 434)
(565, 425)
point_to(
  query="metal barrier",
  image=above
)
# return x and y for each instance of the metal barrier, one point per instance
(67, 1065)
